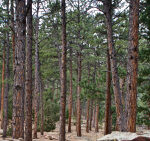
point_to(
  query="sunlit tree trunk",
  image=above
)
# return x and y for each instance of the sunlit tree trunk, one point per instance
(132, 66)
(19, 71)
(28, 82)
(63, 75)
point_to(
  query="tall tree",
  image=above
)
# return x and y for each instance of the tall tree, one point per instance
(132, 65)
(19, 71)
(70, 96)
(79, 65)
(37, 71)
(3, 87)
(63, 74)
(115, 78)
(5, 120)
(107, 128)
(28, 81)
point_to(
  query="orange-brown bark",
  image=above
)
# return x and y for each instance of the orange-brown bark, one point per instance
(132, 66)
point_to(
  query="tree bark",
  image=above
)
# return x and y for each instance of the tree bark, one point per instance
(87, 115)
(13, 31)
(3, 87)
(37, 72)
(132, 66)
(78, 95)
(42, 109)
(107, 128)
(91, 115)
(63, 74)
(88, 104)
(19, 71)
(28, 82)
(94, 112)
(96, 117)
(70, 96)
(114, 70)
(5, 120)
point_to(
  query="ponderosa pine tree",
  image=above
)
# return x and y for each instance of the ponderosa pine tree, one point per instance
(79, 68)
(19, 71)
(28, 80)
(132, 66)
(115, 78)
(63, 74)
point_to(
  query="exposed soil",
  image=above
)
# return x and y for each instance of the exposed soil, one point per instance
(54, 135)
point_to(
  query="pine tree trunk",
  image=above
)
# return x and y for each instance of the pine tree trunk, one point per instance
(37, 72)
(13, 31)
(94, 112)
(19, 71)
(91, 115)
(63, 74)
(96, 117)
(132, 66)
(87, 115)
(3, 88)
(88, 104)
(42, 109)
(70, 96)
(114, 70)
(78, 95)
(79, 62)
(28, 82)
(5, 120)
(122, 83)
(107, 128)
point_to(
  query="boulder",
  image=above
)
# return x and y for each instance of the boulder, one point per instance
(125, 136)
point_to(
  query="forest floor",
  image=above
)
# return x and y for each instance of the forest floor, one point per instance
(54, 135)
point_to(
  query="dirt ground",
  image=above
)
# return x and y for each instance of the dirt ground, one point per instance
(54, 135)
(91, 136)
